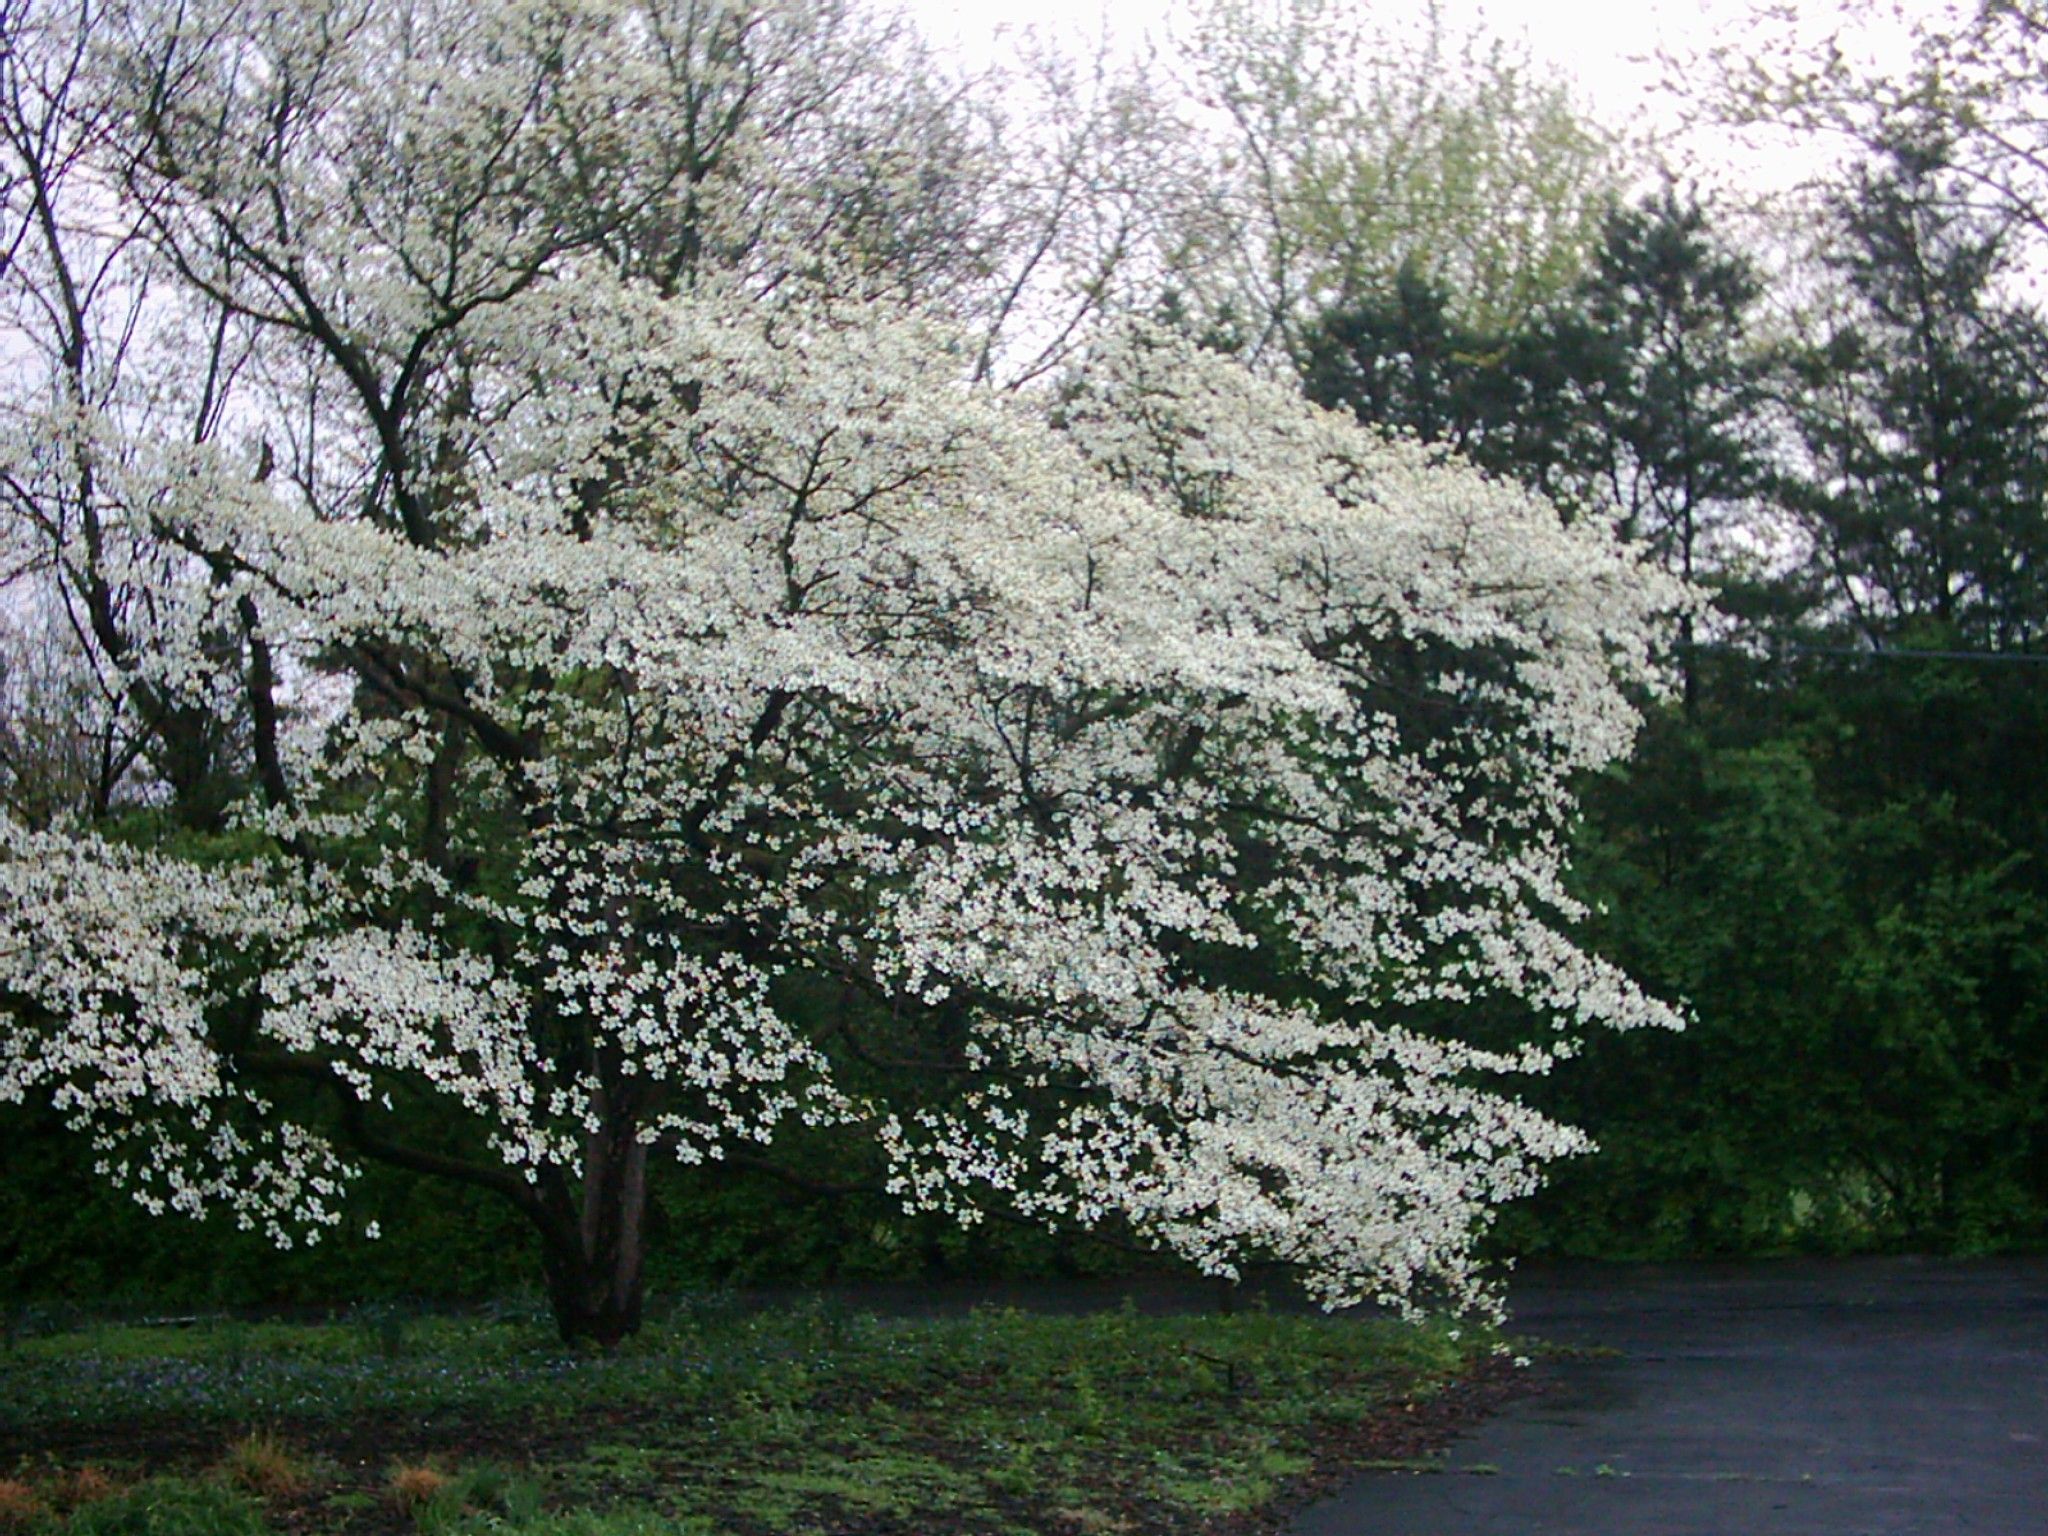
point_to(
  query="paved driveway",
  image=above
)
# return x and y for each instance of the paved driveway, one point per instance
(1823, 1399)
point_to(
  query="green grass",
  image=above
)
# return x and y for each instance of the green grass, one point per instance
(717, 1423)
(166, 1506)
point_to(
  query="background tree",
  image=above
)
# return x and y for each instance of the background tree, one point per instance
(1921, 414)
(1510, 402)
(1353, 153)
(1786, 851)
(1970, 81)
(1637, 393)
(1670, 393)
(1831, 856)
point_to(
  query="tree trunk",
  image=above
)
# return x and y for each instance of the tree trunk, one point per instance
(595, 1261)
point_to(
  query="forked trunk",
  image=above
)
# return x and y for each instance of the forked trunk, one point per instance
(595, 1262)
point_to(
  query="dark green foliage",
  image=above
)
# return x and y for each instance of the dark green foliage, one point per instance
(1666, 389)
(1865, 1066)
(69, 1239)
(65, 1234)
(1667, 395)
(1402, 360)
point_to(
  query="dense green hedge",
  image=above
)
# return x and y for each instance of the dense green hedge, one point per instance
(1846, 888)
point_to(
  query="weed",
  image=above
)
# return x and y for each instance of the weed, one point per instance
(1093, 1522)
(585, 1522)
(384, 1327)
(901, 1484)
(1219, 1495)
(263, 1464)
(499, 1492)
(20, 1505)
(486, 1495)
(1091, 1412)
(1018, 1473)
(603, 1468)
(235, 1352)
(413, 1485)
(87, 1484)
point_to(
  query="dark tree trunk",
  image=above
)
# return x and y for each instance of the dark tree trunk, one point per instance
(595, 1260)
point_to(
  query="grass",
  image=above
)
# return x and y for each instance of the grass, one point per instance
(167, 1506)
(710, 1423)
(20, 1504)
(261, 1463)
(413, 1487)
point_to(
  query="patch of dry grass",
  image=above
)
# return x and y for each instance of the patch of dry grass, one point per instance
(414, 1484)
(87, 1484)
(20, 1504)
(263, 1464)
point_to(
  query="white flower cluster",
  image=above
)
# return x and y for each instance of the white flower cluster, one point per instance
(116, 976)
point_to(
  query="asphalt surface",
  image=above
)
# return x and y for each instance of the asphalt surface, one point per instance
(1793, 1399)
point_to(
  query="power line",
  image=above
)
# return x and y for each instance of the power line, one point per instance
(1879, 653)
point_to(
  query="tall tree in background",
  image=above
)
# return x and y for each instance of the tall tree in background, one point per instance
(1852, 913)
(1401, 359)
(1922, 417)
(1833, 857)
(1813, 74)
(1670, 380)
(1637, 392)
(1352, 151)
(1670, 389)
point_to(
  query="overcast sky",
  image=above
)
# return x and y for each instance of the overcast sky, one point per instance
(1594, 43)
(1592, 39)
(1608, 46)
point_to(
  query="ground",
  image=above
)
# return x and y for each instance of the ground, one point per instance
(1786, 1399)
(767, 1420)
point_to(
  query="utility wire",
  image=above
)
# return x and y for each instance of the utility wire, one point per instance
(1877, 653)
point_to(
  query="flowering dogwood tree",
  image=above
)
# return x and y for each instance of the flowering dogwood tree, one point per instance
(610, 680)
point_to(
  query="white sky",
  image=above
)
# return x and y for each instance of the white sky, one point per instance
(1592, 39)
(1608, 47)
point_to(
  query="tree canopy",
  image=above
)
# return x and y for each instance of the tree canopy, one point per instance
(1353, 152)
(604, 675)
